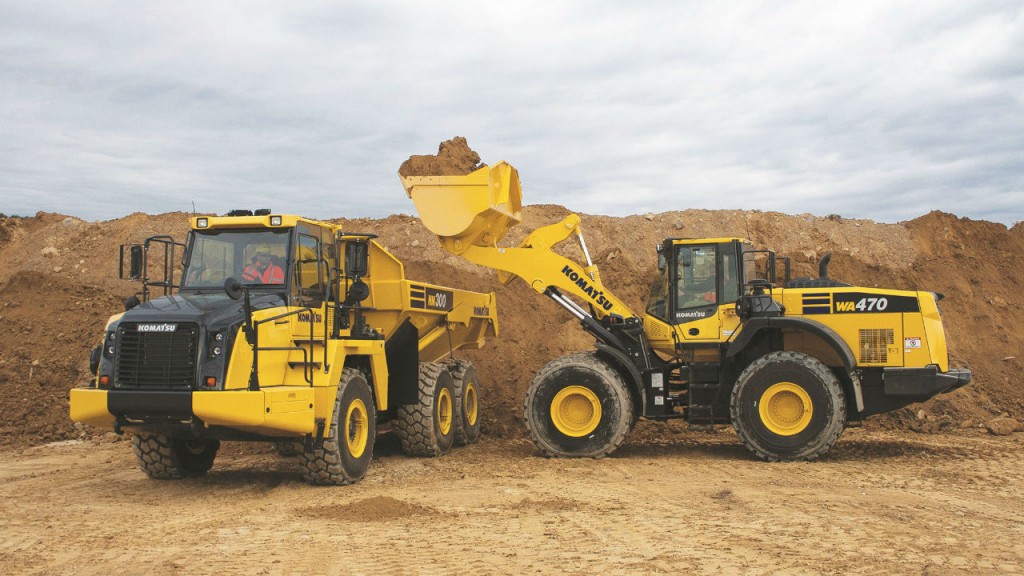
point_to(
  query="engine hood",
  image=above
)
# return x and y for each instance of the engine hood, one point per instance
(204, 309)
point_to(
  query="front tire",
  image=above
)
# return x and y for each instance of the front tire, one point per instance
(788, 406)
(165, 458)
(348, 448)
(578, 406)
(427, 428)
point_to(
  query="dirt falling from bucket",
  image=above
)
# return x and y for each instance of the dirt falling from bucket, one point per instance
(454, 158)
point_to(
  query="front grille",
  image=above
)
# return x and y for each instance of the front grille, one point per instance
(158, 360)
(874, 345)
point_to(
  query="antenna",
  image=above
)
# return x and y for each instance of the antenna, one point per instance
(193, 207)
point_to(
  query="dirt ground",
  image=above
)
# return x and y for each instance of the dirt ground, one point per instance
(688, 502)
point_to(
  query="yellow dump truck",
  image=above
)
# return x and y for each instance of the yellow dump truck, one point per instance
(290, 330)
(726, 338)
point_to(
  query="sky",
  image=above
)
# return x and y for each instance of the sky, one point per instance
(869, 109)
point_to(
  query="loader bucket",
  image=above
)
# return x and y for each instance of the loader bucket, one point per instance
(476, 209)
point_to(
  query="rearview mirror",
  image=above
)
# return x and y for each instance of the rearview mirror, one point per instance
(233, 288)
(686, 257)
(356, 258)
(135, 262)
(661, 262)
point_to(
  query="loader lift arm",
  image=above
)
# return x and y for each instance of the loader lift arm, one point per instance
(471, 214)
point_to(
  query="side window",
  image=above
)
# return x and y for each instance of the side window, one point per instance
(309, 282)
(657, 300)
(730, 279)
(697, 277)
(329, 249)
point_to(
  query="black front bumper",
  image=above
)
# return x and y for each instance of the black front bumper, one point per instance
(147, 405)
(923, 382)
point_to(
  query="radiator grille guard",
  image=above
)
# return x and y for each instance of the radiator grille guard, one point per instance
(156, 356)
(874, 345)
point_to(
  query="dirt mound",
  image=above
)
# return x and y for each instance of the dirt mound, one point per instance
(50, 323)
(375, 509)
(454, 158)
(58, 284)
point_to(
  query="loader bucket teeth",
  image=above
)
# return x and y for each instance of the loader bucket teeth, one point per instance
(477, 209)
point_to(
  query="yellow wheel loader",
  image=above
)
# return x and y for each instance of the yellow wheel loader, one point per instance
(725, 339)
(283, 329)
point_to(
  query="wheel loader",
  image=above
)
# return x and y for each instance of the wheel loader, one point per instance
(726, 338)
(283, 329)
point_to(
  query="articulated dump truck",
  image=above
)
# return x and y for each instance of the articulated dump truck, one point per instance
(283, 329)
(725, 339)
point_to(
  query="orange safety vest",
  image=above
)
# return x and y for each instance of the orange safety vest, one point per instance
(272, 274)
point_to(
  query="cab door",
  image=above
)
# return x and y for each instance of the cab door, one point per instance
(707, 286)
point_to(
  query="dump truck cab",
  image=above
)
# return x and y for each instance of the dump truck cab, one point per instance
(273, 324)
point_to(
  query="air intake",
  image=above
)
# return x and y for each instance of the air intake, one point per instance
(874, 345)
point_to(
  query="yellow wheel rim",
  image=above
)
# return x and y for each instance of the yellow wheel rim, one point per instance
(357, 428)
(575, 411)
(785, 409)
(444, 411)
(470, 404)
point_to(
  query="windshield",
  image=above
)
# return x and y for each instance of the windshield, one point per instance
(252, 257)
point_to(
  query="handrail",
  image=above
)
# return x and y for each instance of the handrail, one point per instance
(307, 366)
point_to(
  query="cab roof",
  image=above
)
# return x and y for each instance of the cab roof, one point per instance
(270, 221)
(719, 240)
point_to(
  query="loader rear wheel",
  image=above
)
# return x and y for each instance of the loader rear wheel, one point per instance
(788, 406)
(578, 406)
(427, 428)
(166, 458)
(348, 447)
(467, 403)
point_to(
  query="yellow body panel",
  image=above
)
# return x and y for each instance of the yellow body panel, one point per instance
(274, 410)
(89, 406)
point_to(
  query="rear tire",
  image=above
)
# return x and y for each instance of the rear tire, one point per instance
(348, 448)
(578, 406)
(288, 448)
(427, 428)
(165, 458)
(467, 403)
(788, 406)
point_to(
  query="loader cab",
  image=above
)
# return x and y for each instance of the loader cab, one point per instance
(698, 283)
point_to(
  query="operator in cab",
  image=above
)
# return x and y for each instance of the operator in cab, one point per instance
(263, 270)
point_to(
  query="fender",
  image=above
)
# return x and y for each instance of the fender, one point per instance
(627, 369)
(753, 326)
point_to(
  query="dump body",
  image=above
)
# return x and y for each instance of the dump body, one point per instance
(271, 313)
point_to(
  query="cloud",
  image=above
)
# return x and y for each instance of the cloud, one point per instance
(882, 110)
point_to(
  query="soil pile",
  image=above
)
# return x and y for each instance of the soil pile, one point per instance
(58, 284)
(454, 158)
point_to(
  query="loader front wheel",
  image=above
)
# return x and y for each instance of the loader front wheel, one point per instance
(578, 406)
(167, 458)
(427, 428)
(467, 403)
(788, 406)
(347, 450)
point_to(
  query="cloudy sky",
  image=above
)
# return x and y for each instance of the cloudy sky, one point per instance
(869, 109)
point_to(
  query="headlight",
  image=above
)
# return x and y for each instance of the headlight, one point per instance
(108, 344)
